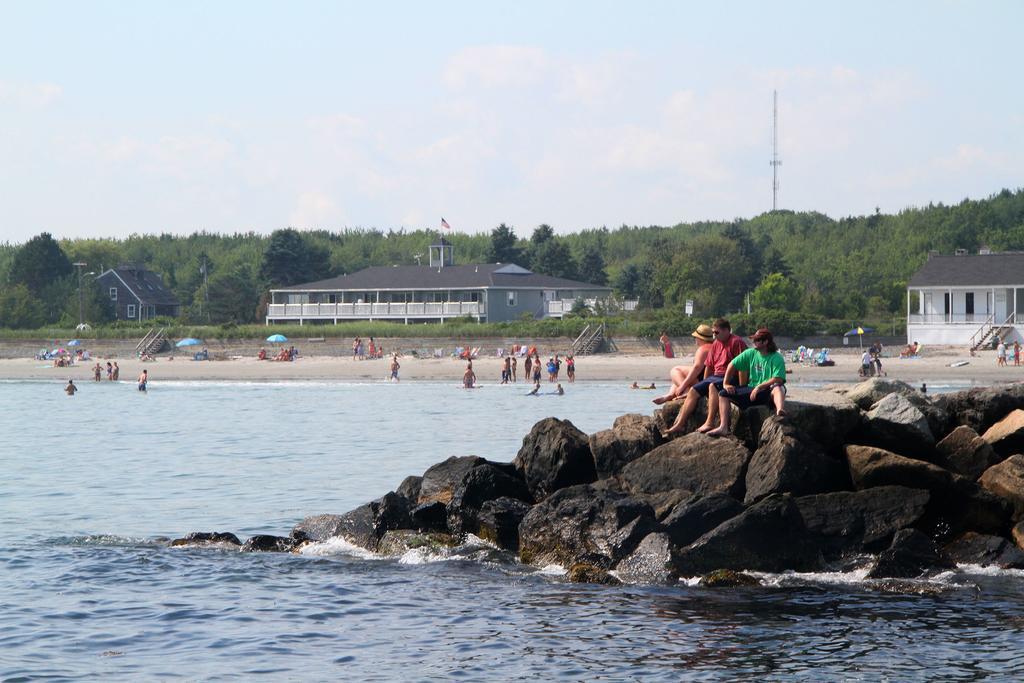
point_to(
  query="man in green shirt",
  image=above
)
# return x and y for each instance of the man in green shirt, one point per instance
(767, 384)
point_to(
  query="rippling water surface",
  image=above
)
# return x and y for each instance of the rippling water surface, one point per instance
(88, 592)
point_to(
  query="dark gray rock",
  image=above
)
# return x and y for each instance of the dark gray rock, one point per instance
(207, 538)
(985, 550)
(911, 554)
(695, 462)
(651, 562)
(826, 418)
(498, 522)
(727, 578)
(1006, 480)
(363, 526)
(554, 455)
(666, 416)
(979, 409)
(966, 506)
(410, 489)
(964, 452)
(429, 516)
(1007, 436)
(479, 485)
(870, 466)
(629, 438)
(698, 515)
(439, 481)
(583, 572)
(788, 461)
(848, 521)
(1017, 534)
(664, 502)
(265, 543)
(583, 524)
(896, 424)
(871, 391)
(768, 536)
(397, 542)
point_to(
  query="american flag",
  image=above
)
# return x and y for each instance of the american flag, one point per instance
(444, 224)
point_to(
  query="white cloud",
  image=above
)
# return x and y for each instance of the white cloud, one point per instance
(314, 209)
(496, 66)
(29, 95)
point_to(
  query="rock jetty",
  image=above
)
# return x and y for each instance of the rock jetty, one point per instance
(876, 473)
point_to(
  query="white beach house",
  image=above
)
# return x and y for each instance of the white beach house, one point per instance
(966, 299)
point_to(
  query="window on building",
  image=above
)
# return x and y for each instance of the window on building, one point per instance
(945, 309)
(113, 293)
(511, 299)
(969, 303)
(130, 311)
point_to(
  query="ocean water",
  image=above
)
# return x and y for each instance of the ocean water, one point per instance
(88, 591)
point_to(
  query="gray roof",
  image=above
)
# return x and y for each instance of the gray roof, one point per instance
(144, 284)
(471, 276)
(974, 270)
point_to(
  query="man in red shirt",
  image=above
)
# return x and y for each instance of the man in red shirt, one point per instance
(725, 347)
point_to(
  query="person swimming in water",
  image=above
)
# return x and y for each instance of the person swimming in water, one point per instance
(70, 389)
(469, 377)
(536, 388)
(559, 390)
(143, 380)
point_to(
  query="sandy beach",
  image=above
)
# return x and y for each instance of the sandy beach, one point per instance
(933, 367)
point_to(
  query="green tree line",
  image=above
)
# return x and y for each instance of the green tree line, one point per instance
(781, 262)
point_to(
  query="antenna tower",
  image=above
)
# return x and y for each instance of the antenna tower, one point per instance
(775, 162)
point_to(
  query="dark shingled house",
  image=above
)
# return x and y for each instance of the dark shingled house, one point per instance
(138, 294)
(966, 299)
(435, 292)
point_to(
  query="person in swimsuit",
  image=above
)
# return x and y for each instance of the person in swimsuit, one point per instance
(394, 367)
(70, 389)
(469, 377)
(116, 373)
(143, 380)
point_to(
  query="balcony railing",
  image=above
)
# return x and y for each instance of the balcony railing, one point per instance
(560, 307)
(958, 319)
(372, 310)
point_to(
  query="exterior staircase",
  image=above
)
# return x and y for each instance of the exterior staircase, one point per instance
(989, 330)
(154, 342)
(591, 340)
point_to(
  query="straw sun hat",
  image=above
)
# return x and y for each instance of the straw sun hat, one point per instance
(703, 332)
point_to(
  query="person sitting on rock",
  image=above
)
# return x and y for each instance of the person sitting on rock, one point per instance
(685, 376)
(767, 384)
(725, 348)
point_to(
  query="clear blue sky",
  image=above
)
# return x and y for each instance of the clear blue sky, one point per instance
(142, 117)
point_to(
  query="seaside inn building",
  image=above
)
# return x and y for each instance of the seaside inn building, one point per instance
(967, 299)
(486, 292)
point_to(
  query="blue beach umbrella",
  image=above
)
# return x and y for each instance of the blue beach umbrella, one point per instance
(189, 341)
(277, 338)
(860, 332)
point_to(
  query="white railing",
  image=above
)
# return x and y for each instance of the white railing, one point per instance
(559, 307)
(958, 319)
(372, 310)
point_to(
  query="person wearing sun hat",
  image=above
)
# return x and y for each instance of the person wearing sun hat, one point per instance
(685, 376)
(766, 385)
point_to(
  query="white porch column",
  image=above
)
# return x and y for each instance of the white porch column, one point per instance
(949, 313)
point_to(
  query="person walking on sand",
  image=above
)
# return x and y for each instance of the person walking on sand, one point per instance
(96, 372)
(1016, 353)
(514, 379)
(666, 345)
(394, 368)
(685, 376)
(70, 389)
(725, 347)
(570, 368)
(766, 386)
(110, 372)
(116, 372)
(143, 380)
(528, 367)
(1001, 353)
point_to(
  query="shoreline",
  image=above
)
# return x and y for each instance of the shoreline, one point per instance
(609, 367)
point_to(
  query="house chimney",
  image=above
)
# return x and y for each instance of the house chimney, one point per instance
(960, 252)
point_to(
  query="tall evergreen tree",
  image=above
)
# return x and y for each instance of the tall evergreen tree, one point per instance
(38, 263)
(503, 246)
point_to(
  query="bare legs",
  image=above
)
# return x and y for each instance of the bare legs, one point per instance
(689, 407)
(678, 375)
(725, 410)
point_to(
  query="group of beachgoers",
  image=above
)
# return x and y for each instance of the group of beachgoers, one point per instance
(871, 361)
(1005, 353)
(363, 350)
(113, 373)
(285, 354)
(726, 372)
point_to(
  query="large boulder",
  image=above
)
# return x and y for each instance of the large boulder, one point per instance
(1007, 436)
(693, 518)
(410, 489)
(853, 521)
(695, 462)
(479, 485)
(498, 522)
(665, 416)
(651, 563)
(1017, 534)
(911, 554)
(967, 506)
(979, 408)
(826, 417)
(630, 437)
(214, 538)
(363, 526)
(265, 543)
(870, 466)
(896, 424)
(1006, 480)
(768, 536)
(787, 460)
(584, 524)
(554, 455)
(869, 392)
(439, 481)
(985, 550)
(964, 452)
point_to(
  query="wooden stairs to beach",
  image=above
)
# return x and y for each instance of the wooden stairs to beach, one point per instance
(990, 330)
(154, 342)
(590, 340)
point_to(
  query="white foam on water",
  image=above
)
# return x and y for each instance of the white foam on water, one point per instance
(851, 577)
(989, 570)
(338, 546)
(553, 570)
(690, 581)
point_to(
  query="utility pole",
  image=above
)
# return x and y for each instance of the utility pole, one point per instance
(775, 162)
(81, 307)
